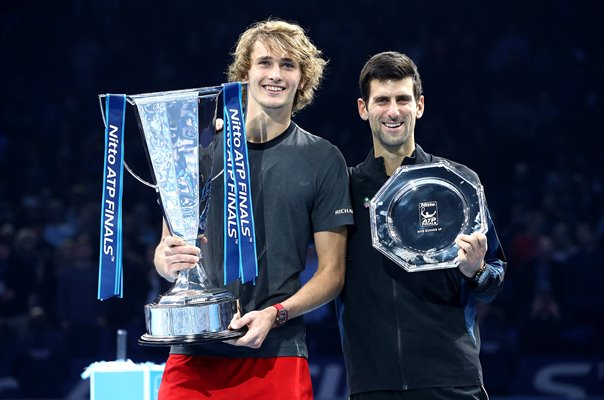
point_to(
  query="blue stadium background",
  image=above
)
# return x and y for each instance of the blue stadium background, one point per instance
(513, 89)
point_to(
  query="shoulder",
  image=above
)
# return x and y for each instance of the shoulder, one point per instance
(305, 136)
(318, 145)
(427, 157)
(461, 167)
(356, 170)
(360, 173)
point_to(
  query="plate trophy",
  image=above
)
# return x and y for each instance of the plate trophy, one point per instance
(178, 129)
(417, 214)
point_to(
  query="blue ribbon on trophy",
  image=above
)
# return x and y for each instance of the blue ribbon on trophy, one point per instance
(110, 264)
(239, 233)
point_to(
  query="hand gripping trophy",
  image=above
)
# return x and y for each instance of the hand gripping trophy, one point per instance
(190, 163)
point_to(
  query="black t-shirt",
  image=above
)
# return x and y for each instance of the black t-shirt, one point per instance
(299, 186)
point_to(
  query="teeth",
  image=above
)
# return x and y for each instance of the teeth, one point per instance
(274, 88)
(392, 125)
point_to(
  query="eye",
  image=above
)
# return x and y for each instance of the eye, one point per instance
(289, 65)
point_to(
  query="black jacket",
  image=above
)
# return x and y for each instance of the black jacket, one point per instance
(403, 330)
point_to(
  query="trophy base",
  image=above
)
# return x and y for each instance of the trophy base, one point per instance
(190, 317)
(150, 340)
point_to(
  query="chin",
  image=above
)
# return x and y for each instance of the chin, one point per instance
(272, 105)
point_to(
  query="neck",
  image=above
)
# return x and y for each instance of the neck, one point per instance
(264, 125)
(393, 157)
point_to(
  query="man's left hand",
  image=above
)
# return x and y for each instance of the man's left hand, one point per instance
(472, 249)
(258, 324)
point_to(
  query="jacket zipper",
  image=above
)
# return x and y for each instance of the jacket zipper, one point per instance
(399, 335)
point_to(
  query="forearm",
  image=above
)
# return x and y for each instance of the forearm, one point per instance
(490, 282)
(323, 287)
(328, 281)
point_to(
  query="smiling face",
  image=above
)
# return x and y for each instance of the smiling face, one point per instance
(273, 80)
(392, 110)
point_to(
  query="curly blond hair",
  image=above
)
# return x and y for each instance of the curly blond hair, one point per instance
(281, 37)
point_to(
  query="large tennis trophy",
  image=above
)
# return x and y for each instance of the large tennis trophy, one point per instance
(180, 137)
(420, 210)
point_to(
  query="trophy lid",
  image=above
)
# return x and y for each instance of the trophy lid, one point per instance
(417, 214)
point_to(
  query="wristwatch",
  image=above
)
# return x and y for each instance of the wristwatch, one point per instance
(281, 314)
(480, 271)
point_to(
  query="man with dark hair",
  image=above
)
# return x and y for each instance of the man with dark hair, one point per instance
(408, 335)
(300, 192)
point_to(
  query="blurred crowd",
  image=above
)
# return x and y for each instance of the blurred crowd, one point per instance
(515, 96)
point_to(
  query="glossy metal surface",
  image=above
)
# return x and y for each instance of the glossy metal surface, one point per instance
(205, 317)
(421, 209)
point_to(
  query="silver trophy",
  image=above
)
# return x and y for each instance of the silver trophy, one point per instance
(178, 128)
(420, 210)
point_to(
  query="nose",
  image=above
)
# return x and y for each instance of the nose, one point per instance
(275, 73)
(393, 110)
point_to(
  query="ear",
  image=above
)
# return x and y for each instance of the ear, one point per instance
(420, 107)
(362, 109)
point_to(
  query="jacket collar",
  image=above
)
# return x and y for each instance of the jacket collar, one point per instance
(374, 167)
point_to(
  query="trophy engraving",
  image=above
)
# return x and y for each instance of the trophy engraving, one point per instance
(420, 210)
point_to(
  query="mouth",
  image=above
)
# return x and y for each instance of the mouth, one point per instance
(392, 125)
(273, 89)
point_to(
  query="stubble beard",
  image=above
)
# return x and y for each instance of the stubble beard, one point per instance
(392, 143)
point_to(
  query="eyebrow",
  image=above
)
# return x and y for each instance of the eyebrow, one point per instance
(282, 59)
(405, 97)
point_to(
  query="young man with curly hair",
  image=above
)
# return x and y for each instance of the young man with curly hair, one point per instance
(299, 189)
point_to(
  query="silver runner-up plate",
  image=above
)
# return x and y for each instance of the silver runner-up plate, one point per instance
(421, 209)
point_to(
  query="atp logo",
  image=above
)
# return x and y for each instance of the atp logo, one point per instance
(428, 213)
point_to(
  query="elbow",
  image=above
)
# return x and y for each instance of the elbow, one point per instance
(339, 287)
(339, 283)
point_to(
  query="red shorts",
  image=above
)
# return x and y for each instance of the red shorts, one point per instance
(198, 377)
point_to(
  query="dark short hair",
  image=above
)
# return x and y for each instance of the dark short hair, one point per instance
(389, 65)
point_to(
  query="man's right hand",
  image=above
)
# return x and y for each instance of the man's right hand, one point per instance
(172, 254)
